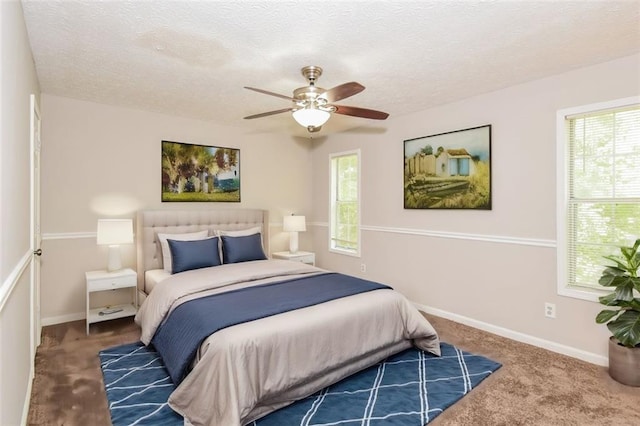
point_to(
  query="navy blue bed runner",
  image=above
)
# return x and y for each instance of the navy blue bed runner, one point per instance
(178, 338)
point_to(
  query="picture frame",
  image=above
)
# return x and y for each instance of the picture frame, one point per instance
(449, 170)
(199, 173)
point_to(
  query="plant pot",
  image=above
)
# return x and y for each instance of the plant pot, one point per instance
(624, 363)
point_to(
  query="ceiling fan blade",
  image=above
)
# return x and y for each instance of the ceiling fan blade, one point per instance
(342, 91)
(360, 112)
(289, 98)
(265, 114)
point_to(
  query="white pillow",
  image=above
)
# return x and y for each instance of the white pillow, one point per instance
(166, 252)
(240, 233)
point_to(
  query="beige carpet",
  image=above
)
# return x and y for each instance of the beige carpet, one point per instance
(534, 386)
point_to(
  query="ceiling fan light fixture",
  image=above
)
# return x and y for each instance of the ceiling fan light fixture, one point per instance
(310, 117)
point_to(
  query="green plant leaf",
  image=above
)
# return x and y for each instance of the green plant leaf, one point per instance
(616, 281)
(605, 316)
(629, 304)
(624, 291)
(628, 252)
(614, 270)
(634, 259)
(619, 262)
(609, 275)
(626, 328)
(635, 265)
(609, 300)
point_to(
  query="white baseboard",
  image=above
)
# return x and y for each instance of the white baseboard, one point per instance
(63, 318)
(517, 336)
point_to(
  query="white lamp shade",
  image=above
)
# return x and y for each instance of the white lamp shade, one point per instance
(311, 117)
(294, 224)
(115, 231)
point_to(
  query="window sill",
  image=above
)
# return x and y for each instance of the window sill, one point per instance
(353, 253)
(581, 293)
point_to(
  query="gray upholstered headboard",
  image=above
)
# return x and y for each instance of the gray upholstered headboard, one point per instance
(151, 222)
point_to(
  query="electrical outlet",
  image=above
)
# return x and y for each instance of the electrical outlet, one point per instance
(363, 267)
(550, 310)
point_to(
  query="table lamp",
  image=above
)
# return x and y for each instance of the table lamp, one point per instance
(113, 232)
(293, 225)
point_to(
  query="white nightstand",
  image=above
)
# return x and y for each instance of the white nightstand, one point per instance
(103, 281)
(300, 256)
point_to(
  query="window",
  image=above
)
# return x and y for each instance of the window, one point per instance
(598, 191)
(344, 225)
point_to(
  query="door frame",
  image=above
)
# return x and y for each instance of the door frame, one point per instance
(35, 234)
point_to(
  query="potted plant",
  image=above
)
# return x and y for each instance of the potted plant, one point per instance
(624, 321)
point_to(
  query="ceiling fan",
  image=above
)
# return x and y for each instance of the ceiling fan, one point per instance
(312, 105)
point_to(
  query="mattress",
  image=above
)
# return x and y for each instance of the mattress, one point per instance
(153, 277)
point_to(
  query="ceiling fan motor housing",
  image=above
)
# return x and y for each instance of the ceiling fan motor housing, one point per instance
(307, 93)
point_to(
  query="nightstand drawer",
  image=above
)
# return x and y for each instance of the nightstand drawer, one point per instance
(112, 283)
(308, 258)
(301, 256)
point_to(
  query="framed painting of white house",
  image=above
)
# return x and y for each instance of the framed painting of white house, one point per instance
(449, 170)
(200, 173)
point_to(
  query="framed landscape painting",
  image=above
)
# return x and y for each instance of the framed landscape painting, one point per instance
(449, 170)
(200, 173)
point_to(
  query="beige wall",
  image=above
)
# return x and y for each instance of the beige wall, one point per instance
(104, 161)
(17, 82)
(493, 269)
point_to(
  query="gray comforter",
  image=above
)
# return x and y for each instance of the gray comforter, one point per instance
(244, 372)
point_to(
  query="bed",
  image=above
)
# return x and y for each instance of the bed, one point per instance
(250, 335)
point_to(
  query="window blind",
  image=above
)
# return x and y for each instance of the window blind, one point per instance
(603, 206)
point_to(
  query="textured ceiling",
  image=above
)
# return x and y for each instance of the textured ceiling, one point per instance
(192, 59)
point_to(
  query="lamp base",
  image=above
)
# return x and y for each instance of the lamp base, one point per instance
(114, 263)
(293, 242)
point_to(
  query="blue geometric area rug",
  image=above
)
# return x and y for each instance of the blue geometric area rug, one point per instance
(410, 388)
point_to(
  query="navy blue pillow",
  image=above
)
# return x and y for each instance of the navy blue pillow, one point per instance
(242, 249)
(187, 255)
